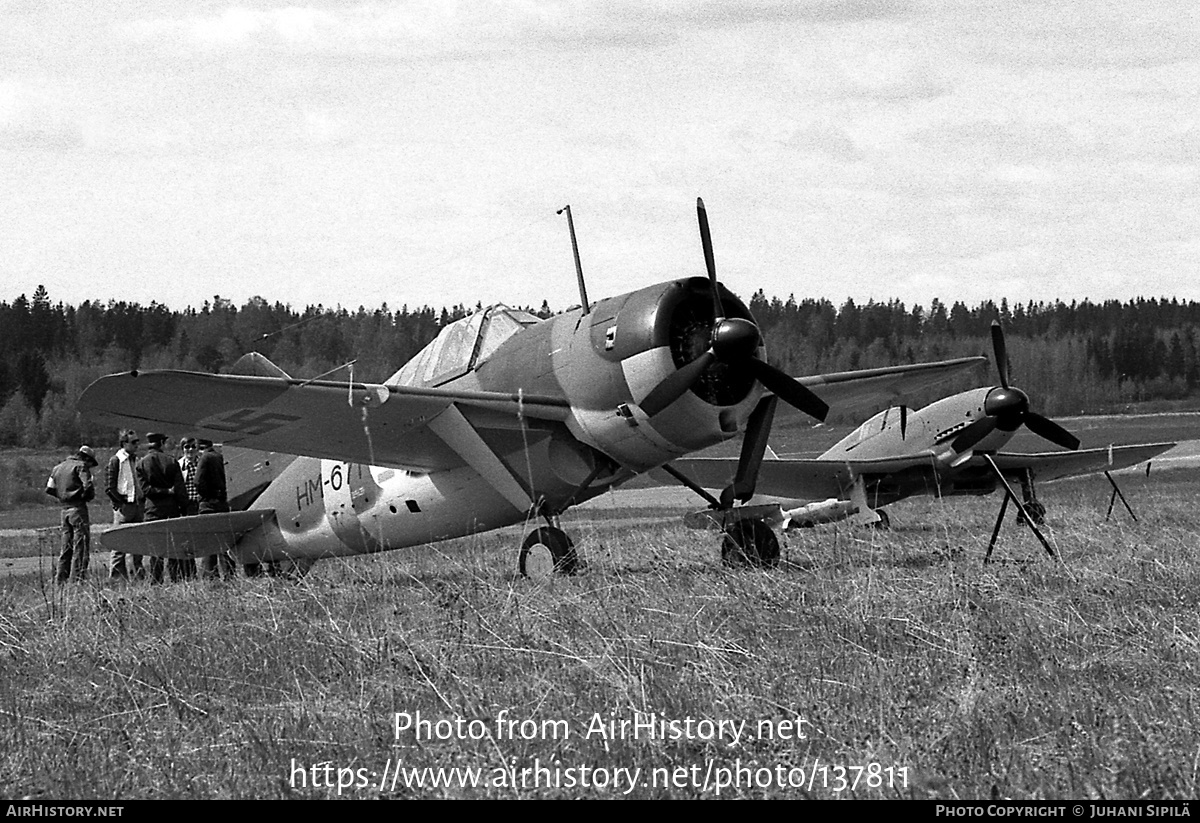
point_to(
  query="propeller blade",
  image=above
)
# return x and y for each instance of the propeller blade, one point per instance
(903, 422)
(1047, 428)
(754, 445)
(677, 384)
(1001, 351)
(789, 390)
(969, 437)
(709, 263)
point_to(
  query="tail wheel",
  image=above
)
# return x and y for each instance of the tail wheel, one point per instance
(750, 543)
(563, 559)
(293, 570)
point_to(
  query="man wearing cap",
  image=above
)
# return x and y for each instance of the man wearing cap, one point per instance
(161, 483)
(71, 483)
(210, 486)
(120, 484)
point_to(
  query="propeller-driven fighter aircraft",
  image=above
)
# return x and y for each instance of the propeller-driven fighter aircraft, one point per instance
(950, 447)
(503, 418)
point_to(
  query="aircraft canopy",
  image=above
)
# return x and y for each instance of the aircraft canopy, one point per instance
(462, 345)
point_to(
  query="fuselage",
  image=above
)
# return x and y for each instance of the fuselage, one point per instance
(926, 432)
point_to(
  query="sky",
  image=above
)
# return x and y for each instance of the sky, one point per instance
(415, 153)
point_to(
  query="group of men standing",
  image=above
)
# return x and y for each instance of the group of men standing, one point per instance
(155, 486)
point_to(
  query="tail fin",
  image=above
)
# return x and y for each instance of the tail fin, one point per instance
(254, 364)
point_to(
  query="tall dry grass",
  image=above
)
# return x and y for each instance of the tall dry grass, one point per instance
(1026, 678)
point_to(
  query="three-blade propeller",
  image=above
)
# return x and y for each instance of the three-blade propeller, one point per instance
(733, 341)
(1006, 408)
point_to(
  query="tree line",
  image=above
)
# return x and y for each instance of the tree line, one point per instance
(1072, 358)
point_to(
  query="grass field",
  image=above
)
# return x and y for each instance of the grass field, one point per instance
(911, 669)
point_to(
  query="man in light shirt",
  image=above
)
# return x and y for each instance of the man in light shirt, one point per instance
(121, 487)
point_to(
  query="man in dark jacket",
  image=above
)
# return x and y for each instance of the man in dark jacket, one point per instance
(71, 483)
(210, 485)
(161, 483)
(120, 484)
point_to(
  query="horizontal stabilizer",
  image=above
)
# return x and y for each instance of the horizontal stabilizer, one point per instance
(185, 537)
(256, 365)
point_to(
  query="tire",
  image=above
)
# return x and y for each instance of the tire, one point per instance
(884, 522)
(1037, 512)
(750, 543)
(561, 549)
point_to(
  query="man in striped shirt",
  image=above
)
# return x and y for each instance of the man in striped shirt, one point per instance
(189, 463)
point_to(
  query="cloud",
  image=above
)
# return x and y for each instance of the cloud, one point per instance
(1064, 33)
(430, 27)
(299, 29)
(891, 74)
(824, 140)
(34, 119)
(1006, 140)
(723, 13)
(23, 7)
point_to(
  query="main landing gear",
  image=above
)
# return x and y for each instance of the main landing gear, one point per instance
(547, 549)
(1031, 516)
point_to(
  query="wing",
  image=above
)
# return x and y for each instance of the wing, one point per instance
(352, 422)
(817, 479)
(185, 537)
(1057, 465)
(852, 392)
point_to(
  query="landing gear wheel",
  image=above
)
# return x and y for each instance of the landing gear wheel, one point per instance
(884, 522)
(1037, 512)
(751, 543)
(562, 551)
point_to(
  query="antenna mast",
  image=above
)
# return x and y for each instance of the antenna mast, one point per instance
(578, 267)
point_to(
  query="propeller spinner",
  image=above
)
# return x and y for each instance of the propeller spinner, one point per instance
(1007, 408)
